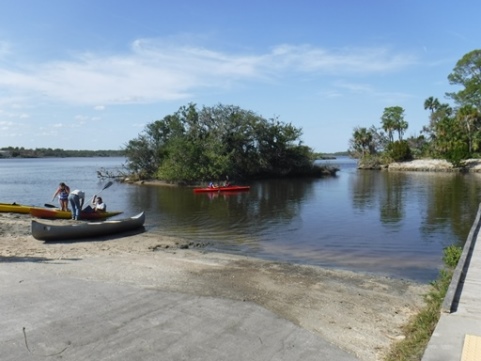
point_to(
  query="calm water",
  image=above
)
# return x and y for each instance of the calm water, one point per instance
(394, 224)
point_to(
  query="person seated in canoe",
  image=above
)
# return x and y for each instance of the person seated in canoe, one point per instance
(227, 182)
(99, 205)
(212, 185)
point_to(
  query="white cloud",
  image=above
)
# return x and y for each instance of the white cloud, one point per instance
(307, 58)
(360, 89)
(13, 115)
(156, 71)
(5, 125)
(357, 88)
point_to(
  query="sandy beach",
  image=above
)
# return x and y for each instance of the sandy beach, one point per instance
(360, 313)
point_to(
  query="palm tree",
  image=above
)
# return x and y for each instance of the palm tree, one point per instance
(438, 113)
(432, 104)
(362, 142)
(401, 128)
(393, 120)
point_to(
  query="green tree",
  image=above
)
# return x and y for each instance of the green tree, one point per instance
(393, 121)
(435, 107)
(470, 120)
(362, 142)
(432, 104)
(140, 156)
(438, 128)
(419, 145)
(467, 73)
(453, 133)
(212, 142)
(399, 151)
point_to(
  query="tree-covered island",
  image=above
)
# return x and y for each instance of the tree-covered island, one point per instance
(453, 132)
(200, 145)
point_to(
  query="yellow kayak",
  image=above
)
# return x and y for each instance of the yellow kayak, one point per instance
(14, 208)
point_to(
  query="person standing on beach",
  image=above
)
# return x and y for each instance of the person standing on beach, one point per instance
(77, 199)
(62, 192)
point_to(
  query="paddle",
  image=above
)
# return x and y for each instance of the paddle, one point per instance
(49, 205)
(105, 187)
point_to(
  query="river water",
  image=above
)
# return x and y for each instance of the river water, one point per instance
(393, 224)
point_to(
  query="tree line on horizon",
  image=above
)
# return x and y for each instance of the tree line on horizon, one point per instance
(21, 152)
(453, 132)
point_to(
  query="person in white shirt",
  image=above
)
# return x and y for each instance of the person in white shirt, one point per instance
(77, 199)
(99, 205)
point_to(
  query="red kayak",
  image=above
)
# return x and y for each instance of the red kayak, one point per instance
(222, 189)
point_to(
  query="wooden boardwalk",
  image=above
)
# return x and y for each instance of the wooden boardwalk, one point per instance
(458, 333)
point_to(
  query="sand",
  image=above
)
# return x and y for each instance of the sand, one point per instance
(360, 313)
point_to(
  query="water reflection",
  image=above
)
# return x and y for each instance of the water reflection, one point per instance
(371, 221)
(383, 222)
(453, 199)
(445, 202)
(237, 216)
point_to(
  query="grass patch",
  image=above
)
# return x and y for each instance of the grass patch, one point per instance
(419, 329)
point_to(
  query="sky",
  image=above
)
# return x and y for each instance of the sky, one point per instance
(91, 74)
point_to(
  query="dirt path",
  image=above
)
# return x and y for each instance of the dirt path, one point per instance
(360, 313)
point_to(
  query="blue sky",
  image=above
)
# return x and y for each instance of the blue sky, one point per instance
(91, 74)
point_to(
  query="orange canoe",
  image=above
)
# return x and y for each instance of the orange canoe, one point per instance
(48, 213)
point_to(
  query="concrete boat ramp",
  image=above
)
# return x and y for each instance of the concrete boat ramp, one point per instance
(47, 316)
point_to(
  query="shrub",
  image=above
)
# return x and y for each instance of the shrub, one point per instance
(399, 151)
(457, 153)
(451, 256)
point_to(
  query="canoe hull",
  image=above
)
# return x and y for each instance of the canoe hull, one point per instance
(14, 208)
(52, 232)
(222, 189)
(47, 213)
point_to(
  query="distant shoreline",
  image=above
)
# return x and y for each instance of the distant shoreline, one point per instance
(436, 165)
(21, 153)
